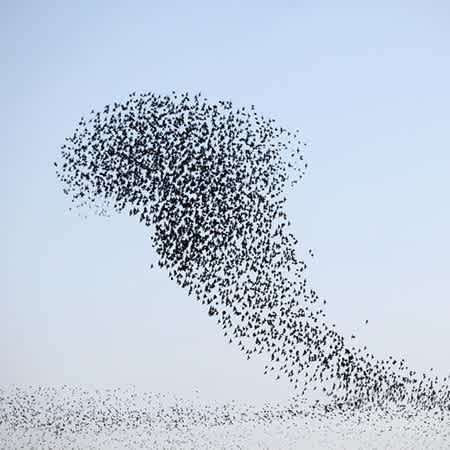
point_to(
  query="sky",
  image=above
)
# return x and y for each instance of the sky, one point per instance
(367, 85)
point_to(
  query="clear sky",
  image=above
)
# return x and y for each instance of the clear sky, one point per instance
(368, 85)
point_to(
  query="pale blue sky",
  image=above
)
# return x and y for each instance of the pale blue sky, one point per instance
(368, 85)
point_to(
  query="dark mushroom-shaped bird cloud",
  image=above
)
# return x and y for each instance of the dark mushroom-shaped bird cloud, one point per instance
(210, 180)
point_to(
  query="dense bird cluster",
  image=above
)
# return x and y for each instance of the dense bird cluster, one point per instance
(88, 418)
(210, 180)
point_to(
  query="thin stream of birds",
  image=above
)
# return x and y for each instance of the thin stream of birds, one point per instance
(89, 418)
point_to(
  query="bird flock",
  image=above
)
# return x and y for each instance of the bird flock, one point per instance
(91, 418)
(210, 182)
